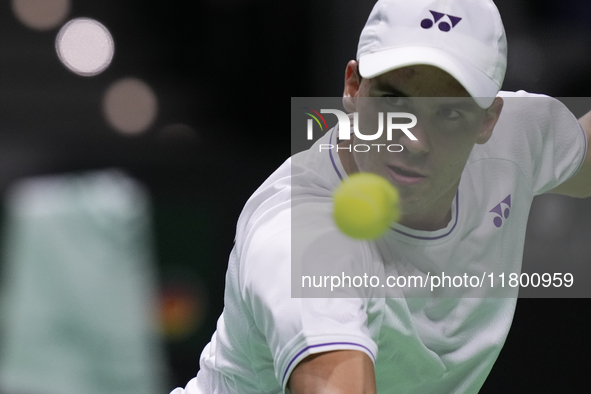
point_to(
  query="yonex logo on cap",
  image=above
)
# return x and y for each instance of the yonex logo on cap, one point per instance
(502, 214)
(443, 25)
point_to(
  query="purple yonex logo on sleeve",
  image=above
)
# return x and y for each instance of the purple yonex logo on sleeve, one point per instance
(443, 25)
(502, 211)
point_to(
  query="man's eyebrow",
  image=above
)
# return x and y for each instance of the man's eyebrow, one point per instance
(385, 87)
(465, 103)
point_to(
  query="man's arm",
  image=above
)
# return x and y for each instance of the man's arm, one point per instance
(336, 372)
(580, 184)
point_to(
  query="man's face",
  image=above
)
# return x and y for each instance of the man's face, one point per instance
(449, 122)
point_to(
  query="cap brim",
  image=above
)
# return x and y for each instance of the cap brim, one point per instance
(482, 89)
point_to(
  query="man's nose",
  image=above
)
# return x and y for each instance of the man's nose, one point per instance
(418, 146)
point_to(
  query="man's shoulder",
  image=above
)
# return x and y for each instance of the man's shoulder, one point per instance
(524, 119)
(519, 93)
(533, 137)
(305, 176)
(530, 106)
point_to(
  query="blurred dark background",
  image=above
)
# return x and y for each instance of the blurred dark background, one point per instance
(222, 72)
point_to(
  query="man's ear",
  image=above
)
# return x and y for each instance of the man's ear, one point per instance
(490, 120)
(352, 83)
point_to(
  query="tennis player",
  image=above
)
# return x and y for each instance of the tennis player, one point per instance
(466, 185)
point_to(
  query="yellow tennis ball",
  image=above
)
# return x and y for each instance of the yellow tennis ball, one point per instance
(365, 205)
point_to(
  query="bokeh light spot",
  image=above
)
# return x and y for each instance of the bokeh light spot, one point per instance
(130, 106)
(181, 311)
(41, 14)
(85, 46)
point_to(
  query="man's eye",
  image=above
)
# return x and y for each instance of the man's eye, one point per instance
(450, 114)
(393, 101)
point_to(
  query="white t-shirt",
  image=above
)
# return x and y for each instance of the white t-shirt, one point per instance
(421, 341)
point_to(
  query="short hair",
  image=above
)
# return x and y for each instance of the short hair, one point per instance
(358, 73)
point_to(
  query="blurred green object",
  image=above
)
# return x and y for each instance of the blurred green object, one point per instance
(78, 289)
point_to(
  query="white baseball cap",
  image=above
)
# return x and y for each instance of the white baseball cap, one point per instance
(465, 38)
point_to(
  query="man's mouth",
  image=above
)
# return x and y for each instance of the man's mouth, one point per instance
(405, 176)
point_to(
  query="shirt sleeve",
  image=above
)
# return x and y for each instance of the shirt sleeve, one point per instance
(284, 244)
(550, 144)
